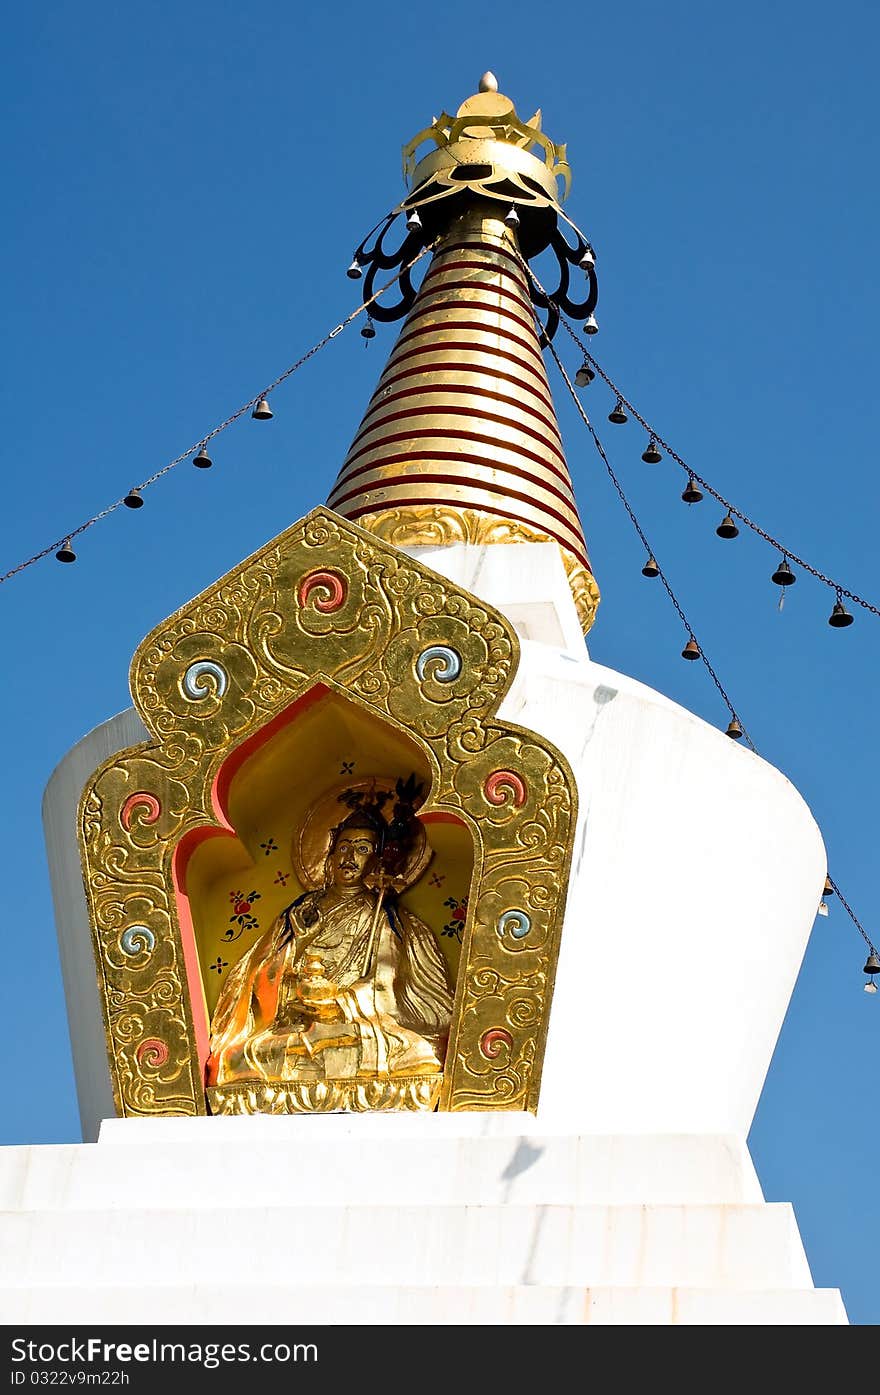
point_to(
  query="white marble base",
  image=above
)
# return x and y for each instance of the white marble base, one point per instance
(395, 1305)
(395, 1218)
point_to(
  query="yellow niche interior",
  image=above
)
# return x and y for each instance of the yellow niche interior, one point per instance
(234, 884)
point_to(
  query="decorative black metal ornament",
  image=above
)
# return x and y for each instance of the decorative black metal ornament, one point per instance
(375, 259)
(558, 301)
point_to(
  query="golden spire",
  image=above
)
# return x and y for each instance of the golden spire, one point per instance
(460, 442)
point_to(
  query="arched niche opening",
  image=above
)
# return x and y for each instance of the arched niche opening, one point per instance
(232, 880)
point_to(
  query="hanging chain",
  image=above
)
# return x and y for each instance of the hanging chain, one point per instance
(669, 591)
(215, 431)
(710, 489)
(851, 913)
(647, 546)
(841, 590)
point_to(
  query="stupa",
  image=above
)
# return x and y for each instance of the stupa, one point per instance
(381, 1008)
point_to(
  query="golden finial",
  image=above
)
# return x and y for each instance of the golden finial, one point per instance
(486, 143)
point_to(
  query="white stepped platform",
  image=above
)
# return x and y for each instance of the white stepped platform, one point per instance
(395, 1219)
(263, 1304)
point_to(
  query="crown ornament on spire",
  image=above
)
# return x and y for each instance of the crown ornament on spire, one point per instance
(484, 153)
(487, 149)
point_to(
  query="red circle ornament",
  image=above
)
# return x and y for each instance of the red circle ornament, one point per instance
(503, 785)
(152, 1052)
(330, 591)
(149, 802)
(493, 1042)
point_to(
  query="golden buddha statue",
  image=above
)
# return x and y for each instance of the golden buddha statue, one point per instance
(346, 986)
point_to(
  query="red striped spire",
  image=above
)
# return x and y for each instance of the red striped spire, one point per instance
(460, 442)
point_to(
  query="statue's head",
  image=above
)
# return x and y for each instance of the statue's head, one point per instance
(355, 845)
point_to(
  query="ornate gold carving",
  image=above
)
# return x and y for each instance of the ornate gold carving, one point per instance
(213, 676)
(418, 1093)
(432, 525)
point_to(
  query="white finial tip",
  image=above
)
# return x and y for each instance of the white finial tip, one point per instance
(488, 83)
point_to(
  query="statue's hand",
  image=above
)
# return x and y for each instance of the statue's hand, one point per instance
(321, 1008)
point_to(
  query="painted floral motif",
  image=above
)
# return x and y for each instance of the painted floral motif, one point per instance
(241, 914)
(282, 878)
(269, 846)
(454, 926)
(219, 965)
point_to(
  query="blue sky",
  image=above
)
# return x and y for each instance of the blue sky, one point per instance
(185, 185)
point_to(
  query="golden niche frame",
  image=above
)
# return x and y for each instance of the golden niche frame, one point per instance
(327, 603)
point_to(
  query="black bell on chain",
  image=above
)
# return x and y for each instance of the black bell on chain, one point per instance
(691, 493)
(727, 528)
(262, 411)
(591, 325)
(734, 730)
(413, 221)
(691, 650)
(588, 259)
(840, 616)
(828, 889)
(369, 330)
(617, 414)
(65, 552)
(133, 499)
(651, 454)
(784, 576)
(203, 460)
(511, 217)
(872, 967)
(650, 568)
(355, 271)
(584, 376)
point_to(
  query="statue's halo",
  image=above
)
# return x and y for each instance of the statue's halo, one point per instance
(312, 844)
